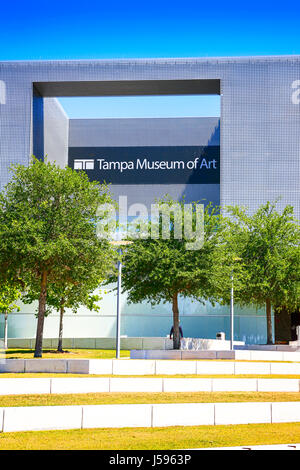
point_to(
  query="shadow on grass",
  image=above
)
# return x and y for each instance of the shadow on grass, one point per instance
(29, 352)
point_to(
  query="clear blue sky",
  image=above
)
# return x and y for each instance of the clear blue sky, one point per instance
(66, 29)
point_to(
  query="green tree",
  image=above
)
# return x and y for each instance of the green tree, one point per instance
(160, 269)
(72, 297)
(48, 227)
(268, 243)
(9, 294)
(76, 289)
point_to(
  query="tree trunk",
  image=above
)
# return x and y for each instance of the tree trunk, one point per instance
(5, 329)
(269, 322)
(176, 335)
(60, 333)
(41, 316)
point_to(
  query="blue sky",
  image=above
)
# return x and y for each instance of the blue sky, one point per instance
(131, 29)
(67, 29)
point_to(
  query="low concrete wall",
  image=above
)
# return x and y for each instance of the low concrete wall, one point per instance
(79, 385)
(38, 418)
(285, 412)
(249, 368)
(117, 416)
(136, 385)
(187, 385)
(292, 346)
(235, 385)
(20, 386)
(202, 344)
(94, 343)
(183, 414)
(146, 367)
(215, 368)
(285, 368)
(146, 343)
(247, 355)
(134, 367)
(176, 367)
(243, 413)
(56, 366)
(278, 385)
(152, 343)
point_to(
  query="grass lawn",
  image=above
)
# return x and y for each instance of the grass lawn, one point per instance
(69, 354)
(153, 439)
(90, 354)
(143, 398)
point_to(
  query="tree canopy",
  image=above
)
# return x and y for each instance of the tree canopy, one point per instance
(48, 229)
(9, 295)
(160, 269)
(268, 243)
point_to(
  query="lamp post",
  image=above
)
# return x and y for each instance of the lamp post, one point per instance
(231, 313)
(119, 244)
(232, 308)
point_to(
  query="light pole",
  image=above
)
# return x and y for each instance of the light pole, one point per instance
(232, 308)
(231, 313)
(119, 244)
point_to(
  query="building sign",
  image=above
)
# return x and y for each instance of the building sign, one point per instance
(148, 165)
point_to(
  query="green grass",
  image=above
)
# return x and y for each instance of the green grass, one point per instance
(153, 439)
(89, 354)
(144, 398)
(68, 354)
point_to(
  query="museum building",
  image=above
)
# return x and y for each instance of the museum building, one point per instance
(248, 155)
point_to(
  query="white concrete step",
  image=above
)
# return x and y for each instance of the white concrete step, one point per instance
(35, 418)
(151, 366)
(237, 354)
(24, 386)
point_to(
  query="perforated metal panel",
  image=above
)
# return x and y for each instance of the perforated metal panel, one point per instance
(259, 122)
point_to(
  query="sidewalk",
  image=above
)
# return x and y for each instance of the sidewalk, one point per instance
(267, 447)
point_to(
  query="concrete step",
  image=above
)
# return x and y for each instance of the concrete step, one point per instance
(25, 386)
(42, 418)
(150, 367)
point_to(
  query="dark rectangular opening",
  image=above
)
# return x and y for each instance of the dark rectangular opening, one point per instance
(129, 87)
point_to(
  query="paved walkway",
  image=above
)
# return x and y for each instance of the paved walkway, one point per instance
(268, 447)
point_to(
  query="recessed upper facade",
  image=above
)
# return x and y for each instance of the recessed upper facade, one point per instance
(259, 124)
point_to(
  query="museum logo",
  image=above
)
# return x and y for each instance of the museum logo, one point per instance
(84, 164)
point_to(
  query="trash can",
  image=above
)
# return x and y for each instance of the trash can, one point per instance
(220, 335)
